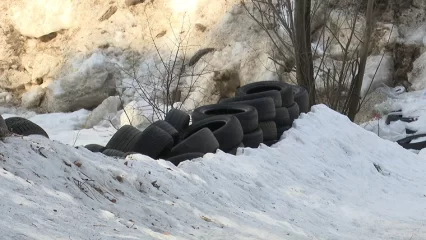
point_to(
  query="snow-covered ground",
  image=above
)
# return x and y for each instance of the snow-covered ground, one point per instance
(326, 179)
(68, 128)
(408, 104)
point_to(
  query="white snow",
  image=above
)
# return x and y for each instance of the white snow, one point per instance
(67, 128)
(411, 104)
(326, 179)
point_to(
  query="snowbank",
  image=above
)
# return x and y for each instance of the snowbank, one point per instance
(326, 179)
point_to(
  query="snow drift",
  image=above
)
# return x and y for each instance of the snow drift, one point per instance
(326, 179)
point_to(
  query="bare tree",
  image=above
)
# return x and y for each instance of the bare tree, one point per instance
(168, 79)
(330, 79)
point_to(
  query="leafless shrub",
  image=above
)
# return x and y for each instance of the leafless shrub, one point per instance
(332, 68)
(168, 81)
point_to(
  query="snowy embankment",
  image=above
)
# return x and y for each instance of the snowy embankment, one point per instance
(326, 179)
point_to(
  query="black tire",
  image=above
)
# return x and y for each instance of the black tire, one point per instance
(265, 107)
(243, 94)
(95, 148)
(282, 117)
(202, 141)
(293, 112)
(226, 129)
(287, 98)
(406, 142)
(269, 130)
(153, 142)
(409, 131)
(281, 130)
(123, 140)
(301, 97)
(234, 150)
(114, 153)
(394, 118)
(24, 127)
(167, 127)
(178, 119)
(253, 139)
(184, 157)
(270, 143)
(247, 115)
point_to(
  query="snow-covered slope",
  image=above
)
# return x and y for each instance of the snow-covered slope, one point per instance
(326, 179)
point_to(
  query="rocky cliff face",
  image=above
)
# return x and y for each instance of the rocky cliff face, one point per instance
(63, 55)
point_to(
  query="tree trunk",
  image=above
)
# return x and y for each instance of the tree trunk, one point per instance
(303, 51)
(356, 90)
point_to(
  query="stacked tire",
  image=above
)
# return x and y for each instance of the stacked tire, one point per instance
(259, 113)
(171, 139)
(275, 103)
(244, 131)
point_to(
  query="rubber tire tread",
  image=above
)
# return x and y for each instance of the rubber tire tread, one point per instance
(229, 135)
(282, 117)
(405, 142)
(95, 148)
(286, 90)
(167, 127)
(248, 117)
(253, 139)
(176, 160)
(114, 153)
(394, 118)
(123, 139)
(265, 107)
(153, 142)
(301, 97)
(24, 127)
(178, 119)
(293, 112)
(269, 130)
(274, 94)
(202, 141)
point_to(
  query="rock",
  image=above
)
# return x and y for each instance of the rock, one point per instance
(13, 79)
(339, 32)
(385, 35)
(383, 75)
(226, 82)
(368, 108)
(33, 97)
(41, 17)
(5, 97)
(133, 115)
(41, 66)
(88, 83)
(419, 4)
(133, 2)
(417, 77)
(107, 109)
(200, 27)
(4, 131)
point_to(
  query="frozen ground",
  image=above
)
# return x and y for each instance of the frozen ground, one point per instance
(326, 179)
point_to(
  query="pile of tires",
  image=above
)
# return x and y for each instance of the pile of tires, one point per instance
(259, 113)
(277, 106)
(171, 139)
